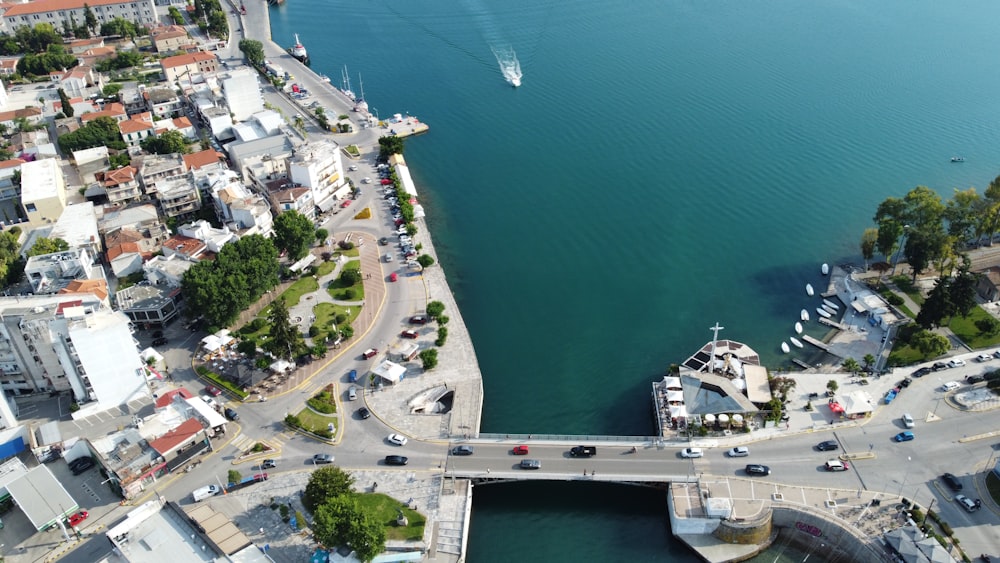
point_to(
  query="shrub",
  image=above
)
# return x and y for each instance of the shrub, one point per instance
(323, 403)
(894, 299)
(349, 294)
(258, 447)
(442, 337)
(345, 245)
(340, 318)
(313, 331)
(917, 515)
(947, 529)
(293, 421)
(234, 476)
(425, 260)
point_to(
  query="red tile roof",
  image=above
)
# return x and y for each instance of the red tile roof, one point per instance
(97, 287)
(11, 163)
(42, 6)
(134, 126)
(168, 397)
(199, 159)
(116, 177)
(177, 436)
(183, 60)
(184, 245)
(123, 248)
(66, 305)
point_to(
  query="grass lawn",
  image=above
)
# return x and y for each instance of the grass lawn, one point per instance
(257, 336)
(293, 294)
(325, 315)
(325, 268)
(339, 291)
(385, 510)
(312, 420)
(904, 355)
(965, 328)
(993, 486)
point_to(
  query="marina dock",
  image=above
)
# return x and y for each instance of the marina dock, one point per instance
(834, 324)
(817, 343)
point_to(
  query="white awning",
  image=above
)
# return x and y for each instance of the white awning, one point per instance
(709, 418)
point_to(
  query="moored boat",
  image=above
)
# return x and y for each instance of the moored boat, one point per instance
(831, 304)
(825, 268)
(804, 315)
(785, 348)
(823, 312)
(958, 159)
(796, 342)
(798, 328)
(809, 290)
(829, 309)
(298, 51)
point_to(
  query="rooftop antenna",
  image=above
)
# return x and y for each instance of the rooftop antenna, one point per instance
(715, 337)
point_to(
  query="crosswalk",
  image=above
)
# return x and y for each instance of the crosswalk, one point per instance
(243, 442)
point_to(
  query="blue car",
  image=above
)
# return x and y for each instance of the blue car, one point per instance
(904, 436)
(352, 376)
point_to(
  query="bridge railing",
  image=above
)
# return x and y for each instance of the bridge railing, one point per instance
(581, 438)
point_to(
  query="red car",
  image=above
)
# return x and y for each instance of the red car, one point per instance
(213, 391)
(370, 353)
(346, 203)
(74, 520)
(409, 334)
(520, 450)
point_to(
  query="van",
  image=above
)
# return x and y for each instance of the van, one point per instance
(352, 393)
(950, 386)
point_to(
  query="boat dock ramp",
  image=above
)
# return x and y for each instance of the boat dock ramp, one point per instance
(833, 323)
(801, 364)
(817, 343)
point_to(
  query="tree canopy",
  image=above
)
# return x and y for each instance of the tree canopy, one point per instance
(123, 27)
(253, 50)
(388, 146)
(45, 245)
(168, 142)
(293, 233)
(11, 265)
(220, 289)
(284, 340)
(101, 131)
(55, 58)
(30, 40)
(326, 483)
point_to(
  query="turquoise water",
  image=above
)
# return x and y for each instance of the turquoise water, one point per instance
(665, 166)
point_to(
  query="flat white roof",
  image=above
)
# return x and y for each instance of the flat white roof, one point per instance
(40, 180)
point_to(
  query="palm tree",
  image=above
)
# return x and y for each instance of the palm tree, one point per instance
(851, 365)
(869, 361)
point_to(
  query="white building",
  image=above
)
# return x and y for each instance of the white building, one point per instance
(238, 208)
(213, 238)
(167, 270)
(242, 93)
(318, 166)
(48, 273)
(43, 191)
(55, 12)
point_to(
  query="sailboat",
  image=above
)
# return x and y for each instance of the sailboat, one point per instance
(345, 84)
(361, 105)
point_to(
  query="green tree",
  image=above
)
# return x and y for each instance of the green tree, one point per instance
(869, 240)
(963, 290)
(53, 59)
(45, 245)
(10, 257)
(111, 90)
(347, 332)
(961, 212)
(429, 358)
(851, 365)
(938, 305)
(869, 361)
(367, 536)
(285, 340)
(389, 146)
(434, 309)
(832, 384)
(247, 348)
(169, 142)
(253, 50)
(119, 160)
(89, 18)
(425, 260)
(219, 289)
(67, 108)
(101, 131)
(318, 350)
(332, 518)
(321, 235)
(890, 219)
(929, 344)
(119, 26)
(349, 277)
(293, 233)
(326, 483)
(923, 247)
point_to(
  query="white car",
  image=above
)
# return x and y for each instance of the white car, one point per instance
(353, 167)
(956, 363)
(397, 439)
(692, 452)
(908, 420)
(984, 357)
(741, 451)
(366, 180)
(950, 386)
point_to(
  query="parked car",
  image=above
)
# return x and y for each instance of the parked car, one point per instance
(950, 386)
(938, 366)
(519, 450)
(231, 414)
(322, 458)
(462, 450)
(268, 464)
(418, 320)
(364, 413)
(77, 518)
(905, 382)
(984, 357)
(213, 391)
(370, 353)
(396, 460)
(352, 393)
(921, 372)
(397, 439)
(973, 379)
(345, 203)
(158, 334)
(996, 354)
(956, 363)
(952, 482)
(739, 451)
(967, 503)
(907, 419)
(531, 464)
(828, 446)
(80, 465)
(836, 465)
(692, 452)
(409, 334)
(383, 241)
(159, 341)
(757, 469)
(904, 436)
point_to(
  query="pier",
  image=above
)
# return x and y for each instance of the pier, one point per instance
(832, 323)
(817, 343)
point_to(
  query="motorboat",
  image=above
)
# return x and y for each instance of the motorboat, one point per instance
(796, 342)
(831, 304)
(804, 316)
(298, 51)
(798, 328)
(958, 159)
(829, 309)
(825, 268)
(785, 348)
(823, 312)
(809, 290)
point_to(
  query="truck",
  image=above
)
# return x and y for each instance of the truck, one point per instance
(246, 482)
(203, 493)
(583, 451)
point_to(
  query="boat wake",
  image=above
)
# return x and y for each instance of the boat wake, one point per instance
(510, 67)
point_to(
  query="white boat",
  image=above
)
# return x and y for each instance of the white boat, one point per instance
(785, 348)
(804, 315)
(510, 67)
(324, 78)
(345, 84)
(829, 309)
(362, 105)
(809, 289)
(796, 342)
(825, 268)
(823, 313)
(831, 304)
(298, 50)
(798, 328)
